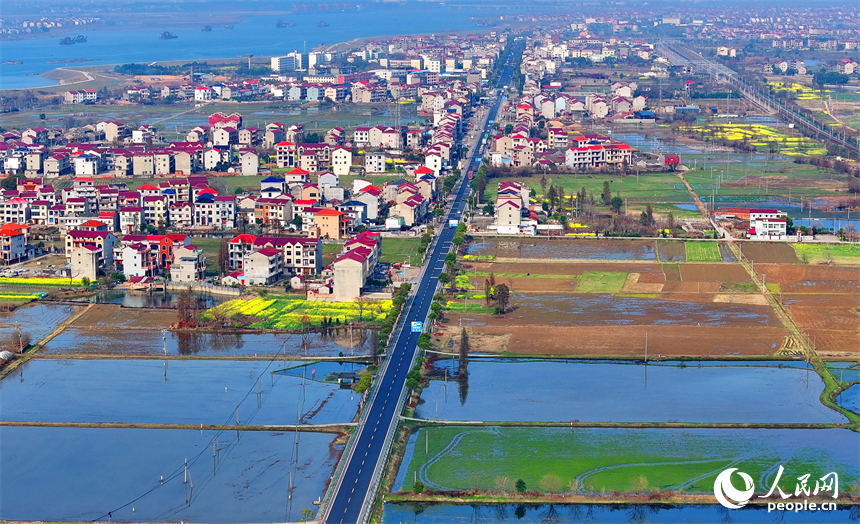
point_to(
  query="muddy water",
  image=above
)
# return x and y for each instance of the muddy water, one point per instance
(172, 392)
(81, 474)
(150, 342)
(531, 390)
(597, 514)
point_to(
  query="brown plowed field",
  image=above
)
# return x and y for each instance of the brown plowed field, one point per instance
(691, 287)
(560, 268)
(837, 319)
(670, 341)
(769, 253)
(834, 301)
(835, 343)
(812, 279)
(112, 316)
(714, 273)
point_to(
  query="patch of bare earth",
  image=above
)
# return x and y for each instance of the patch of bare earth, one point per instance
(629, 341)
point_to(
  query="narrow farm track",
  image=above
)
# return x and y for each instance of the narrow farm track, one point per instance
(698, 201)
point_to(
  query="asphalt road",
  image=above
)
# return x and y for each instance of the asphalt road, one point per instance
(346, 504)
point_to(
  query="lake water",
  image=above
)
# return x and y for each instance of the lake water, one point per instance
(598, 514)
(254, 34)
(532, 390)
(79, 474)
(171, 392)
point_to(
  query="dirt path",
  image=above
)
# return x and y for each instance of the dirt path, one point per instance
(699, 204)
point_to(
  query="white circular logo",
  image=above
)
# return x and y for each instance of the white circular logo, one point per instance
(724, 491)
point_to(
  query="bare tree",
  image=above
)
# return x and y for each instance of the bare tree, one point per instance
(184, 308)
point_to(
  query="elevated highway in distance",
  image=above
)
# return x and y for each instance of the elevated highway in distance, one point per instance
(764, 99)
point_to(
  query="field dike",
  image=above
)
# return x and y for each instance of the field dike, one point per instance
(832, 386)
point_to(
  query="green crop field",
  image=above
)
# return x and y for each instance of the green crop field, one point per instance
(601, 282)
(746, 178)
(703, 252)
(401, 250)
(651, 187)
(563, 460)
(836, 253)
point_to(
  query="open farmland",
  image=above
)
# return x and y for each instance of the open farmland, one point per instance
(769, 253)
(848, 254)
(559, 460)
(811, 279)
(649, 187)
(672, 251)
(703, 252)
(564, 248)
(831, 322)
(292, 314)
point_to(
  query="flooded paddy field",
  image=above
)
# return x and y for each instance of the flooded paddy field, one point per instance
(603, 514)
(172, 392)
(38, 319)
(592, 460)
(850, 399)
(560, 391)
(591, 249)
(80, 474)
(80, 339)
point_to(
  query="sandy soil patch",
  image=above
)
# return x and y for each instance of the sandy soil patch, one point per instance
(757, 300)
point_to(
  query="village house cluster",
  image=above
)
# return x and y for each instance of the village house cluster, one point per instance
(144, 231)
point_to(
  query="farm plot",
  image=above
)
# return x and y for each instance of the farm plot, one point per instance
(600, 282)
(114, 317)
(565, 248)
(826, 253)
(811, 279)
(297, 313)
(562, 277)
(713, 273)
(769, 253)
(830, 321)
(703, 252)
(672, 251)
(665, 341)
(558, 460)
